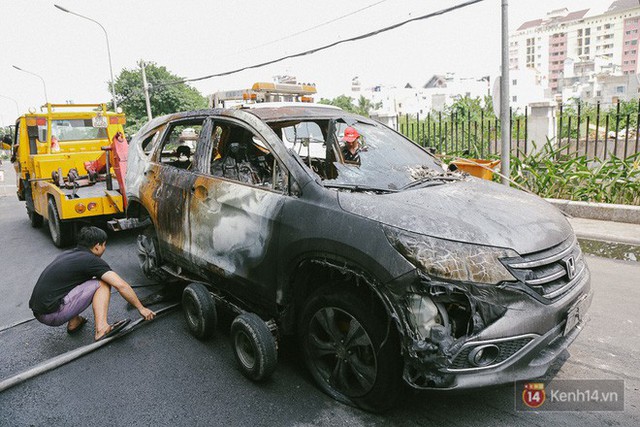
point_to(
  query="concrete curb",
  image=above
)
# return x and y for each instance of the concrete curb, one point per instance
(600, 211)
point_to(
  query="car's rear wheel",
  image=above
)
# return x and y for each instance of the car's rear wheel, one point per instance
(199, 311)
(149, 256)
(254, 347)
(62, 233)
(351, 350)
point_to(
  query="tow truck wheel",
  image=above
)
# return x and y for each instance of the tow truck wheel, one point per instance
(199, 311)
(254, 347)
(351, 350)
(35, 218)
(61, 232)
(149, 256)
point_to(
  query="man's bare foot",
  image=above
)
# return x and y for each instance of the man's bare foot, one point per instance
(111, 329)
(100, 333)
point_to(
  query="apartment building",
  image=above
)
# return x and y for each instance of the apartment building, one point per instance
(584, 42)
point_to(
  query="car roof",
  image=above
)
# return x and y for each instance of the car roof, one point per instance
(270, 112)
(267, 112)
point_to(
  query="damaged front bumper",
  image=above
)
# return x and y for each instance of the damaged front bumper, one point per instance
(507, 334)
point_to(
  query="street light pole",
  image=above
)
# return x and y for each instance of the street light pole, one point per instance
(46, 98)
(113, 88)
(146, 90)
(14, 101)
(505, 118)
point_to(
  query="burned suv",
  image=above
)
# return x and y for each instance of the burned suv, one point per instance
(386, 267)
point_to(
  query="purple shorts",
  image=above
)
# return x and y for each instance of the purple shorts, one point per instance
(74, 303)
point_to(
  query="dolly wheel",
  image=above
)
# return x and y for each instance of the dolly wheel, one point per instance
(199, 311)
(254, 347)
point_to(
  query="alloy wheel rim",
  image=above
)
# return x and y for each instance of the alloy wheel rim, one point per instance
(342, 352)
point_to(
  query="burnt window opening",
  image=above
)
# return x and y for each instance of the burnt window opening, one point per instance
(150, 142)
(308, 139)
(180, 142)
(241, 155)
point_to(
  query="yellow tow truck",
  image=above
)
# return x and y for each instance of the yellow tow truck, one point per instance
(64, 157)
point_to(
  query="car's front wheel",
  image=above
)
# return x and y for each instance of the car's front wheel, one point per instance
(351, 350)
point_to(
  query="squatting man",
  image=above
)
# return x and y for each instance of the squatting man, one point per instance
(78, 278)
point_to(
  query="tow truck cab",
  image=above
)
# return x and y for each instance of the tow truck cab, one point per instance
(64, 157)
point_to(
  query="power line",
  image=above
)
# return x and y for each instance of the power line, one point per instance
(305, 30)
(330, 45)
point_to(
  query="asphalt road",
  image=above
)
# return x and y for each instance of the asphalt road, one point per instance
(160, 375)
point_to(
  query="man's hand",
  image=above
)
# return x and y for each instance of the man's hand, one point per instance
(124, 289)
(146, 313)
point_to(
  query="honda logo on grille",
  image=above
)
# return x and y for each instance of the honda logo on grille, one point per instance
(570, 265)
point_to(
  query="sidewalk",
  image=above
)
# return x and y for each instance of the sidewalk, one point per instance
(606, 231)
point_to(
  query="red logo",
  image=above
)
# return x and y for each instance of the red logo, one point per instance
(533, 395)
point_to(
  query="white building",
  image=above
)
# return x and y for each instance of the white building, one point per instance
(578, 46)
(434, 95)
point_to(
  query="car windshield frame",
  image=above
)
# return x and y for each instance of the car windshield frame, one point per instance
(389, 161)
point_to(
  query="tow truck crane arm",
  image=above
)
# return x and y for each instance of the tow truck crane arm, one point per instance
(114, 156)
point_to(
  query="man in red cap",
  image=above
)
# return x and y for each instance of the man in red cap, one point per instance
(351, 148)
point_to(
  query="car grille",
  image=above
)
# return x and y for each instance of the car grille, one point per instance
(507, 349)
(552, 272)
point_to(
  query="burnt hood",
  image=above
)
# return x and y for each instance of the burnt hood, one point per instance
(471, 210)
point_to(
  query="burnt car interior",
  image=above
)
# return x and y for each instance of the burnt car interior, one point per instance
(240, 155)
(308, 139)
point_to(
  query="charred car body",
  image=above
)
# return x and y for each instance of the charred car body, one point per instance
(386, 269)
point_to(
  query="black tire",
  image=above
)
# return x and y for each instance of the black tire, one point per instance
(35, 218)
(62, 233)
(351, 349)
(199, 311)
(149, 256)
(254, 347)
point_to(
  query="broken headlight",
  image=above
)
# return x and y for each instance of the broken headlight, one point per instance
(452, 260)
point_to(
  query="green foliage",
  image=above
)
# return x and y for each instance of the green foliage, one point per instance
(164, 99)
(364, 106)
(550, 172)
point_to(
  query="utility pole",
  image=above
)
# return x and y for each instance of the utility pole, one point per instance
(146, 90)
(505, 119)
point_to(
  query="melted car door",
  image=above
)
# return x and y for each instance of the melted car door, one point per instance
(235, 203)
(173, 177)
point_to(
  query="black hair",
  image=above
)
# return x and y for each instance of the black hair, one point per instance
(90, 236)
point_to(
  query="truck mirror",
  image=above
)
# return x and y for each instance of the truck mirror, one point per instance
(7, 142)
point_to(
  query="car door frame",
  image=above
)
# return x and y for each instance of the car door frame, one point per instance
(171, 193)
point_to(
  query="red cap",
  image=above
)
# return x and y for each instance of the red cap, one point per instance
(350, 134)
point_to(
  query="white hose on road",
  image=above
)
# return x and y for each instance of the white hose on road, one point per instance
(69, 356)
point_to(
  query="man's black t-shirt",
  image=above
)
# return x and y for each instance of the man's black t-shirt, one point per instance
(67, 271)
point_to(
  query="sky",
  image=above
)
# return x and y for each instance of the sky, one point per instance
(194, 38)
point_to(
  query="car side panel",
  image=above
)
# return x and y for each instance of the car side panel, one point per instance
(234, 236)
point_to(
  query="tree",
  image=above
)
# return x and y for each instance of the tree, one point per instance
(364, 107)
(164, 99)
